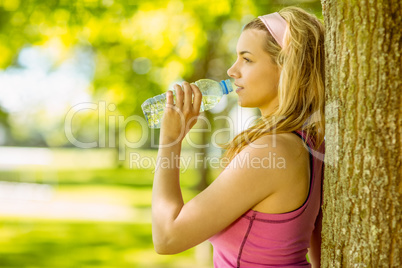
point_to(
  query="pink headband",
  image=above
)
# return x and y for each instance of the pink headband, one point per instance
(276, 26)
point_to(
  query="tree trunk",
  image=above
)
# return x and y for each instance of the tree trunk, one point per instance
(362, 186)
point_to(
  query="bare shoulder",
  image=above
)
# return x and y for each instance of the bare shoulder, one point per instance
(291, 185)
(281, 157)
(284, 152)
(288, 145)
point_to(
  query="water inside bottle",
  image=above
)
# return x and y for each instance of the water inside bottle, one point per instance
(154, 112)
(209, 101)
(154, 118)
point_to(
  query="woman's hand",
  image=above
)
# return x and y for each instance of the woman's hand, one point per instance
(179, 118)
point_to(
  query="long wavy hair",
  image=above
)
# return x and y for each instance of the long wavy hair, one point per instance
(301, 91)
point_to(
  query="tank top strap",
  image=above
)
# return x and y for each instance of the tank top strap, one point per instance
(307, 140)
(316, 157)
(309, 144)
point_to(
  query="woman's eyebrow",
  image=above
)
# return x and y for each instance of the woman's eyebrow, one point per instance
(244, 52)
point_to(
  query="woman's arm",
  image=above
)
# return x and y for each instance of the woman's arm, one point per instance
(314, 252)
(167, 199)
(244, 183)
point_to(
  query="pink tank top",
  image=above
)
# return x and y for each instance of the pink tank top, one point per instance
(259, 239)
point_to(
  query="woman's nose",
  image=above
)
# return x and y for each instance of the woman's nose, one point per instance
(232, 72)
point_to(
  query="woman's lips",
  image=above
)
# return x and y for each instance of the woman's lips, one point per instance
(239, 88)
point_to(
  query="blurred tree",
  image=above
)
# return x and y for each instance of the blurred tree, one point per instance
(5, 135)
(129, 51)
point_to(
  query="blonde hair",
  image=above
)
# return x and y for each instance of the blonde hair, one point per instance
(301, 91)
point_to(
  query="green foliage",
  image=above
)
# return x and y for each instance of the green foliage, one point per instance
(136, 49)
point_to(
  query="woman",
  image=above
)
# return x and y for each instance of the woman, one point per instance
(254, 215)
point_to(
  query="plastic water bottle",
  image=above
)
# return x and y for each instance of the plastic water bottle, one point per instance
(212, 92)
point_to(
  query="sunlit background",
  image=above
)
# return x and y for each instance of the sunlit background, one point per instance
(76, 158)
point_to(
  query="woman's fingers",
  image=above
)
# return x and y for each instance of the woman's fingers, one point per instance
(197, 98)
(184, 97)
(169, 99)
(177, 124)
(179, 96)
(188, 97)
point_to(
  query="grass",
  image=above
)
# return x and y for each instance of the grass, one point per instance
(74, 242)
(25, 243)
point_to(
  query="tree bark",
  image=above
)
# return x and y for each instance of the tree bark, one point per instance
(362, 186)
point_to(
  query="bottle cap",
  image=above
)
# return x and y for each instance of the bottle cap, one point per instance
(226, 86)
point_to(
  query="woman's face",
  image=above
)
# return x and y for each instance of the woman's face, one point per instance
(256, 77)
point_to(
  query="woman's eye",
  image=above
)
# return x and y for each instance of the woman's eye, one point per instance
(247, 60)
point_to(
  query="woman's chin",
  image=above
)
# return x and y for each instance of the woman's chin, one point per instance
(243, 104)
